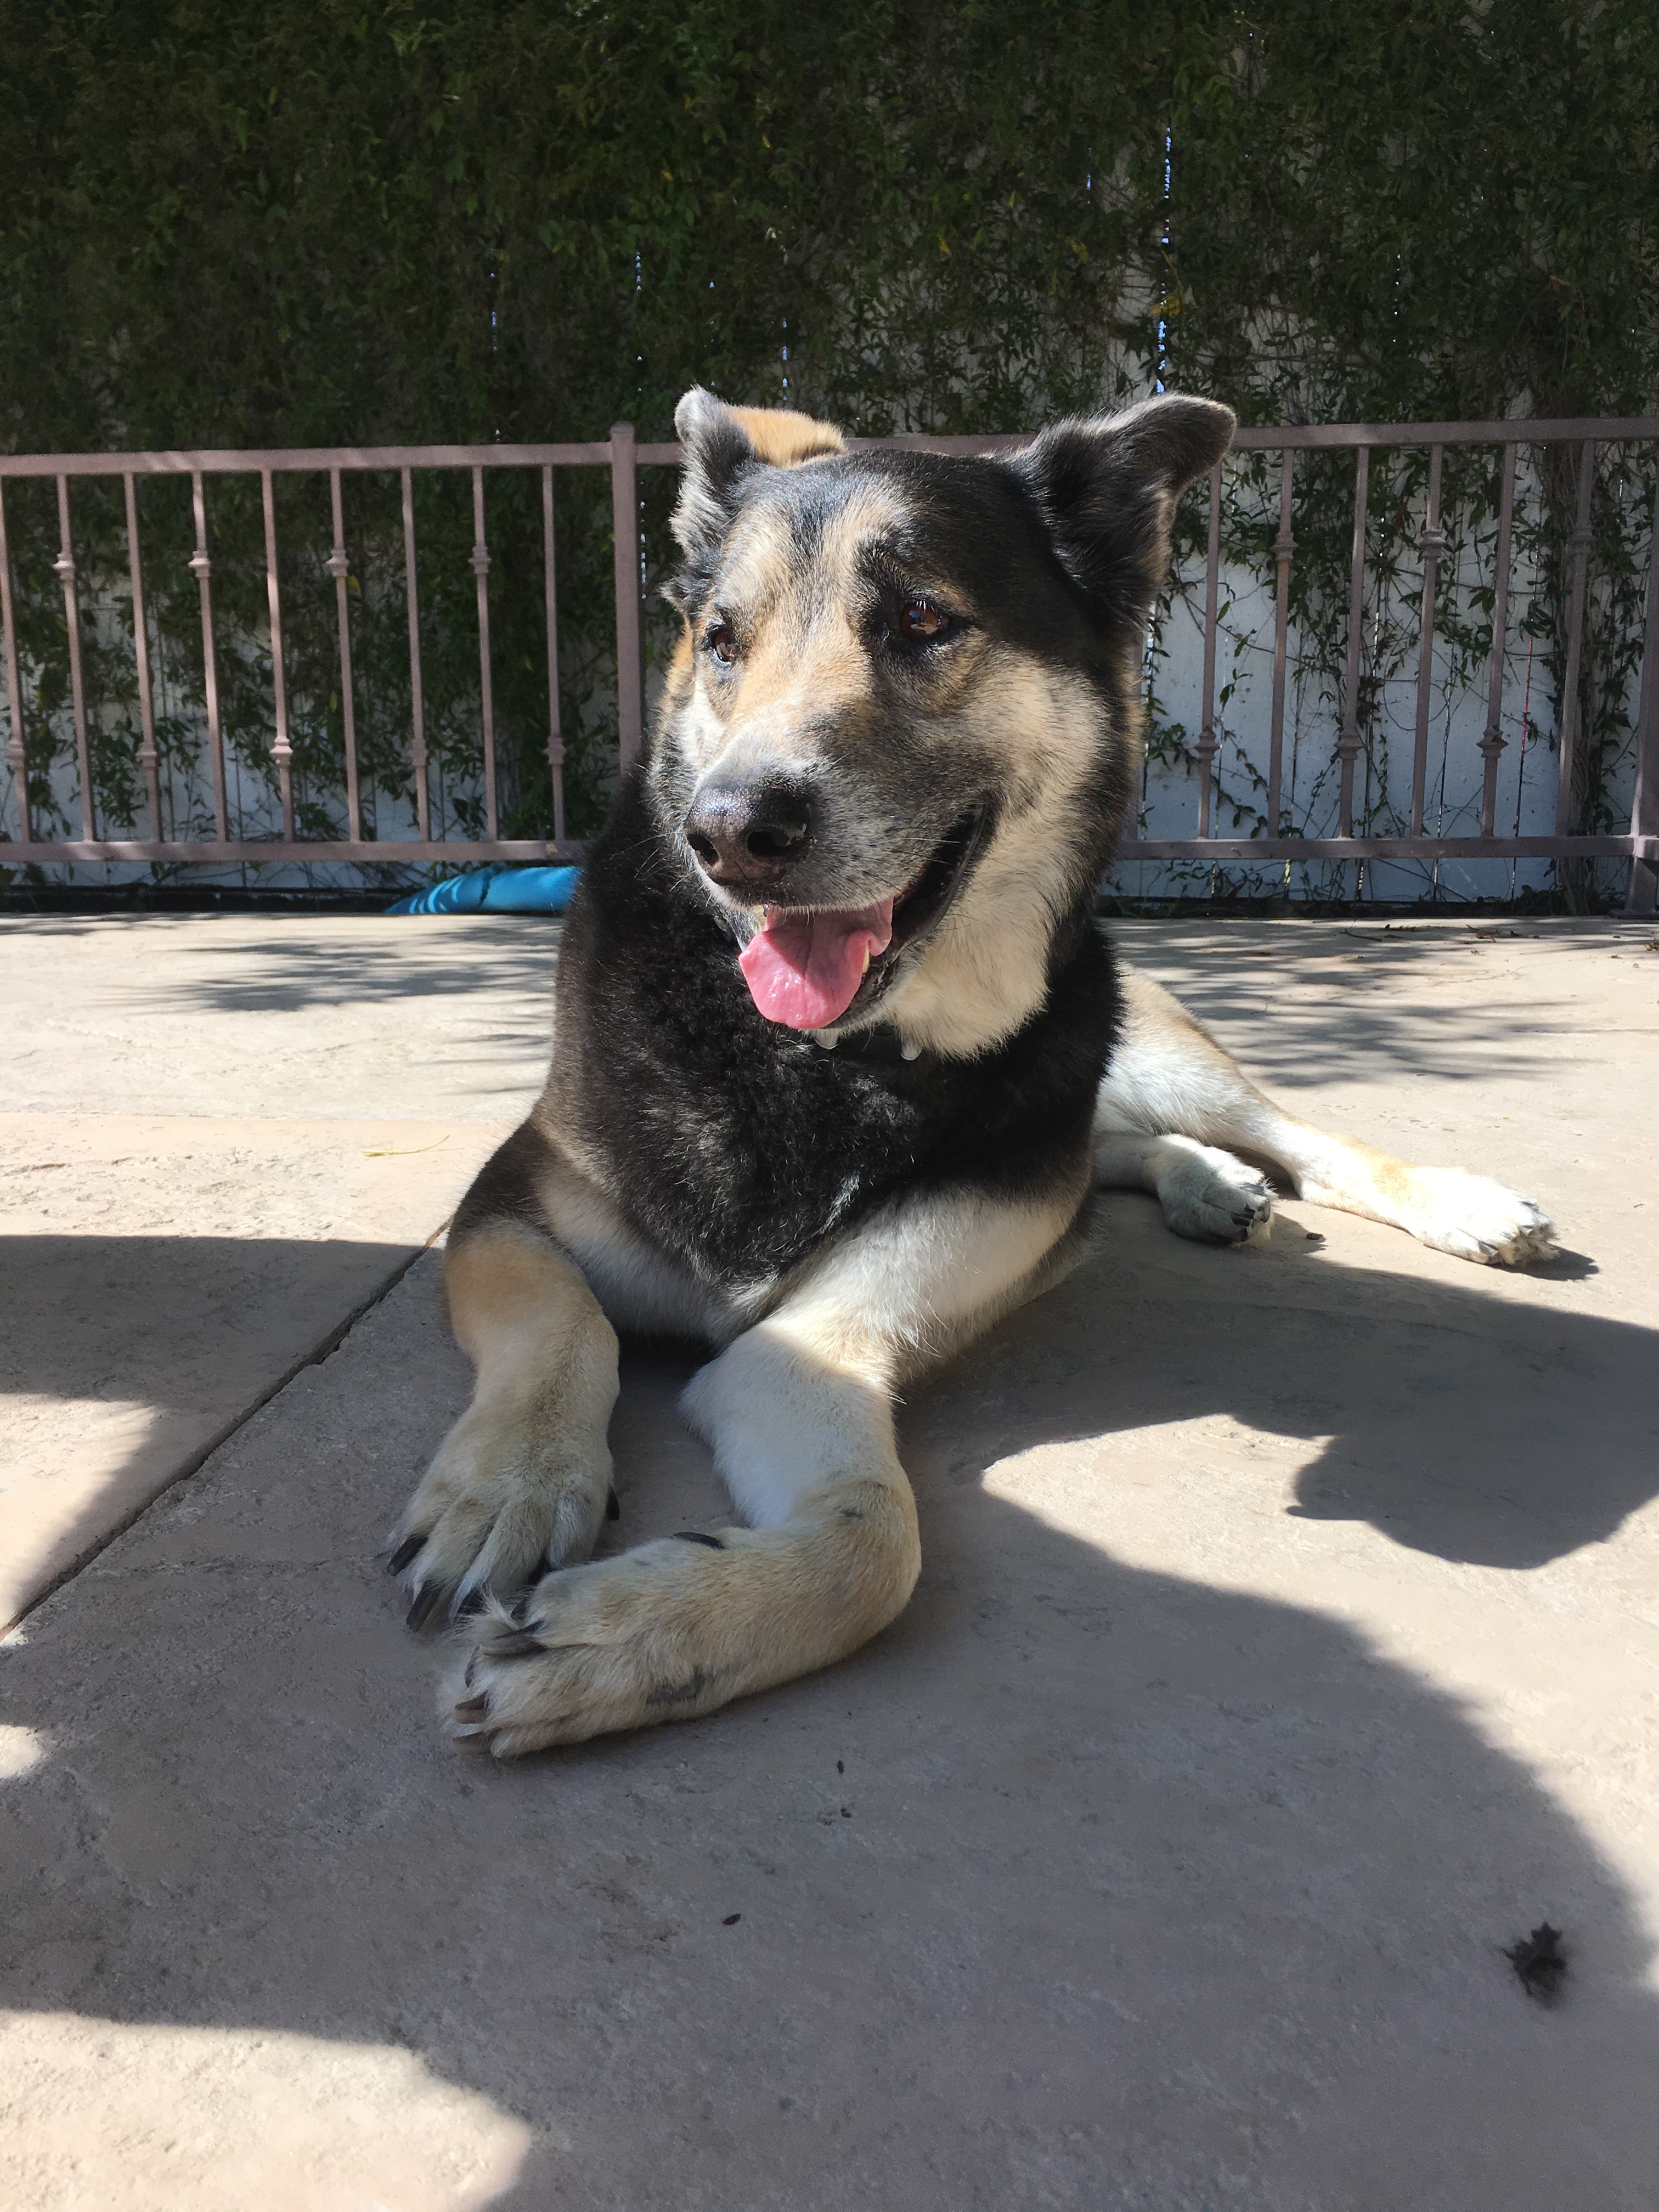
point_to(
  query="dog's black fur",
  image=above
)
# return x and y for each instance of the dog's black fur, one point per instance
(738, 1146)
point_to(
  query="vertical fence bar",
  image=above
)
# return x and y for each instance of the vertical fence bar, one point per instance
(416, 697)
(148, 758)
(1580, 542)
(1493, 744)
(625, 528)
(1644, 897)
(481, 570)
(64, 567)
(282, 749)
(555, 736)
(202, 568)
(1432, 543)
(16, 748)
(1347, 746)
(339, 567)
(1284, 546)
(1207, 746)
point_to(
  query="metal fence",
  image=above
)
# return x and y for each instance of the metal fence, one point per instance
(623, 457)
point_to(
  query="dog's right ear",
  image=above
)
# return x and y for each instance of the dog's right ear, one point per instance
(1107, 490)
(718, 454)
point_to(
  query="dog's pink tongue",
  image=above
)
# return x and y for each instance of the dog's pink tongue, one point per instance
(803, 970)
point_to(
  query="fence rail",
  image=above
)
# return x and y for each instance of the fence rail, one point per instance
(623, 456)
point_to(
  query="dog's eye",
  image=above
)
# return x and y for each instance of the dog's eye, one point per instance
(722, 642)
(920, 622)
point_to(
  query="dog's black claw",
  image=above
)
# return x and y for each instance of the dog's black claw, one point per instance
(472, 1602)
(696, 1536)
(521, 1644)
(613, 1506)
(405, 1551)
(472, 1709)
(428, 1600)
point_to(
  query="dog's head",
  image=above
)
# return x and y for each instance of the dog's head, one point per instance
(901, 734)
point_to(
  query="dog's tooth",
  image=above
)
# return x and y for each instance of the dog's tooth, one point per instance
(864, 970)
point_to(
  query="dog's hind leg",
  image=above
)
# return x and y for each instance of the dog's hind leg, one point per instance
(522, 1479)
(798, 1410)
(1205, 1193)
(1174, 1111)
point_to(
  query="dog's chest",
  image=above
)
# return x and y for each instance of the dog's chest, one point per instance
(740, 1154)
(738, 1146)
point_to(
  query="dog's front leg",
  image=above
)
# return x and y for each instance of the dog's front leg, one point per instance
(522, 1479)
(798, 1411)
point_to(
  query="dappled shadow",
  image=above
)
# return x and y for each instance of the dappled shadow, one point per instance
(516, 955)
(423, 1016)
(1085, 1885)
(281, 963)
(1306, 1003)
(1301, 1002)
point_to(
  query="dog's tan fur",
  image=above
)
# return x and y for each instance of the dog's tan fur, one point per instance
(797, 1405)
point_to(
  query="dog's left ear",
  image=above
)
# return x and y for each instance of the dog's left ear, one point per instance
(1107, 490)
(718, 454)
(724, 448)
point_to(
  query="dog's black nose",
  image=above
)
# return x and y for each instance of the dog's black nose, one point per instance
(748, 834)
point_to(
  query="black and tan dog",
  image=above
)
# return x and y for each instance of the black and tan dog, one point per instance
(840, 1053)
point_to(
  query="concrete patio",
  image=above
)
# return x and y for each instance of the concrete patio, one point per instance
(1287, 1647)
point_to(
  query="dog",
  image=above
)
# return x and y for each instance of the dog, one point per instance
(839, 1054)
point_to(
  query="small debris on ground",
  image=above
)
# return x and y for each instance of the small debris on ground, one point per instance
(1540, 1963)
(731, 1920)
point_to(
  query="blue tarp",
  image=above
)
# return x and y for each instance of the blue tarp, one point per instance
(496, 891)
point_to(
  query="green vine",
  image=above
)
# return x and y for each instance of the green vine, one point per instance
(306, 222)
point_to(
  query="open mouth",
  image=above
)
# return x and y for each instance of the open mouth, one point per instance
(809, 967)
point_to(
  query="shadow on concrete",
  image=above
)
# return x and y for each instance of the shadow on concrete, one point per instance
(1305, 1004)
(1468, 1422)
(288, 964)
(486, 984)
(125, 1316)
(1084, 1887)
(1293, 999)
(160, 1345)
(515, 957)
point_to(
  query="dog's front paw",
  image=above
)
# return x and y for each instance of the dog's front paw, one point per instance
(622, 1643)
(1212, 1195)
(1478, 1219)
(503, 1498)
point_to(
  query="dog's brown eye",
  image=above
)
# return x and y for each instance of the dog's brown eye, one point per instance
(921, 622)
(722, 642)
